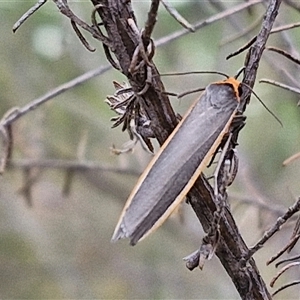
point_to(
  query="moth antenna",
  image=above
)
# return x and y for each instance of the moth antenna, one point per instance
(194, 72)
(239, 72)
(190, 92)
(262, 103)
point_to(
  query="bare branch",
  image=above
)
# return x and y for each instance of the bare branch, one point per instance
(50, 95)
(30, 12)
(177, 16)
(150, 23)
(73, 165)
(177, 34)
(284, 53)
(279, 84)
(276, 227)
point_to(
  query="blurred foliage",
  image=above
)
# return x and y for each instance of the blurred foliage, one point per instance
(60, 247)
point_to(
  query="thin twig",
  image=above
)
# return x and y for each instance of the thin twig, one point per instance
(150, 23)
(82, 38)
(291, 158)
(287, 260)
(276, 210)
(283, 270)
(273, 258)
(285, 27)
(74, 165)
(279, 84)
(30, 12)
(177, 16)
(276, 227)
(53, 93)
(286, 286)
(253, 40)
(284, 53)
(65, 10)
(177, 34)
(244, 32)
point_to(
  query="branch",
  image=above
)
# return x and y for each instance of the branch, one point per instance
(231, 247)
(19, 112)
(63, 164)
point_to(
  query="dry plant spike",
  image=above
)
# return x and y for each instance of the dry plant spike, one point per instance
(30, 12)
(281, 85)
(177, 16)
(133, 119)
(286, 286)
(282, 271)
(291, 158)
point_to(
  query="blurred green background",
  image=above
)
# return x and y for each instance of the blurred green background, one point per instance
(59, 246)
